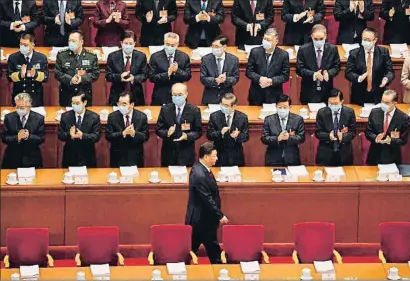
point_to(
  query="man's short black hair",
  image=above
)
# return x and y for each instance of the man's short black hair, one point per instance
(81, 94)
(206, 149)
(336, 93)
(79, 32)
(128, 34)
(124, 94)
(28, 36)
(372, 30)
(222, 38)
(284, 98)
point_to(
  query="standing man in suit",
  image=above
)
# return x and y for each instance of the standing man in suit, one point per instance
(204, 204)
(127, 130)
(397, 16)
(17, 17)
(28, 70)
(268, 68)
(156, 17)
(387, 130)
(228, 129)
(61, 18)
(251, 19)
(369, 69)
(219, 72)
(300, 16)
(126, 70)
(318, 62)
(179, 126)
(23, 133)
(335, 129)
(203, 18)
(282, 133)
(405, 79)
(353, 17)
(80, 130)
(168, 67)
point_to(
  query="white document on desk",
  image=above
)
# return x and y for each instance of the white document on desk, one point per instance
(31, 271)
(269, 106)
(214, 107)
(99, 270)
(233, 170)
(348, 47)
(250, 267)
(176, 268)
(335, 171)
(397, 50)
(129, 171)
(324, 266)
(388, 168)
(314, 107)
(26, 172)
(203, 51)
(40, 110)
(299, 171)
(154, 49)
(177, 170)
(78, 171)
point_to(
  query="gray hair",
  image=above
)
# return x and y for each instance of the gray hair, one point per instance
(23, 96)
(319, 27)
(272, 31)
(393, 93)
(171, 35)
(231, 97)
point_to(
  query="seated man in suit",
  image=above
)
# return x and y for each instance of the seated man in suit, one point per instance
(282, 133)
(127, 130)
(80, 130)
(397, 17)
(405, 79)
(370, 70)
(126, 70)
(168, 67)
(387, 131)
(268, 68)
(228, 129)
(179, 126)
(219, 72)
(335, 129)
(318, 62)
(23, 133)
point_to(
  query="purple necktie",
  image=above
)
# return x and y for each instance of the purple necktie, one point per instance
(319, 58)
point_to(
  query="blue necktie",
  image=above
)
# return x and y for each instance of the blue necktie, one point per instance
(203, 7)
(62, 17)
(78, 125)
(335, 129)
(179, 115)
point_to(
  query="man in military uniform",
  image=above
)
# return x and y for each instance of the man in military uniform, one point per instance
(28, 70)
(76, 69)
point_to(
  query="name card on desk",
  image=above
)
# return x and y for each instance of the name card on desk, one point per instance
(328, 276)
(179, 277)
(333, 178)
(80, 174)
(26, 175)
(291, 178)
(232, 173)
(395, 177)
(251, 276)
(126, 179)
(179, 174)
(80, 180)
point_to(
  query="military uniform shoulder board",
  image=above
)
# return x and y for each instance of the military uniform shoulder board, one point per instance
(89, 52)
(63, 50)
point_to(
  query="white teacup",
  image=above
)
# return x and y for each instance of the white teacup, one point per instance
(104, 114)
(393, 273)
(306, 274)
(303, 112)
(382, 176)
(221, 176)
(112, 177)
(277, 176)
(68, 177)
(156, 274)
(154, 176)
(223, 274)
(80, 275)
(12, 178)
(148, 113)
(318, 175)
(15, 276)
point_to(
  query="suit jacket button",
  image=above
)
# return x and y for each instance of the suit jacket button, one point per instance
(24, 85)
(32, 91)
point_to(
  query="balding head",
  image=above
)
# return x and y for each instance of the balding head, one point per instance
(179, 89)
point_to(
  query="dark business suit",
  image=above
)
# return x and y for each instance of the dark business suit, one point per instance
(180, 153)
(353, 23)
(209, 71)
(158, 74)
(51, 8)
(128, 151)
(286, 152)
(278, 70)
(116, 66)
(211, 28)
(79, 152)
(306, 66)
(25, 153)
(30, 85)
(386, 153)
(396, 29)
(298, 33)
(10, 38)
(204, 211)
(242, 16)
(152, 33)
(382, 66)
(342, 151)
(230, 150)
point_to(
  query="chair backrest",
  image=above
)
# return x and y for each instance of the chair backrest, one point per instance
(332, 27)
(243, 242)
(315, 145)
(286, 87)
(395, 241)
(314, 241)
(382, 23)
(98, 245)
(171, 243)
(93, 31)
(27, 246)
(365, 147)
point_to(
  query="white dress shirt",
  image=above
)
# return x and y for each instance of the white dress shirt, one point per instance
(130, 117)
(19, 4)
(270, 57)
(231, 118)
(316, 49)
(391, 113)
(366, 53)
(25, 116)
(29, 56)
(181, 107)
(82, 117)
(125, 57)
(285, 122)
(222, 61)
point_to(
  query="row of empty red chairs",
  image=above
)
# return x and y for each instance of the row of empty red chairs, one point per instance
(314, 241)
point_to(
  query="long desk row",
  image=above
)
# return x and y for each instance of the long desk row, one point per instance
(357, 204)
(241, 89)
(254, 149)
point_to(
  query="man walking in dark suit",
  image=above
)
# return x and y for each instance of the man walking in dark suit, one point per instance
(156, 17)
(203, 18)
(61, 18)
(204, 204)
(126, 70)
(80, 130)
(397, 16)
(369, 69)
(127, 130)
(282, 133)
(387, 130)
(23, 133)
(317, 63)
(251, 19)
(17, 17)
(166, 68)
(179, 126)
(219, 72)
(335, 129)
(268, 68)
(28, 70)
(228, 129)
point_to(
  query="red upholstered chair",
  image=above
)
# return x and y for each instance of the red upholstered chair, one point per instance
(243, 243)
(171, 243)
(314, 241)
(286, 87)
(395, 242)
(365, 147)
(315, 144)
(382, 22)
(332, 27)
(98, 245)
(27, 246)
(93, 31)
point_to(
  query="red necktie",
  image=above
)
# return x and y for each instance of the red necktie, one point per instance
(128, 68)
(253, 6)
(386, 123)
(127, 122)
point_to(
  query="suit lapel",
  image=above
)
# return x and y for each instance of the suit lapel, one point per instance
(290, 120)
(325, 55)
(184, 113)
(342, 118)
(313, 60)
(173, 113)
(215, 66)
(122, 65)
(259, 4)
(392, 124)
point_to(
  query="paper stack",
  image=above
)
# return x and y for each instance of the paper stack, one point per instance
(128, 174)
(335, 173)
(299, 171)
(248, 49)
(251, 270)
(314, 107)
(388, 169)
(40, 110)
(211, 109)
(100, 270)
(297, 49)
(232, 173)
(291, 53)
(348, 47)
(267, 109)
(399, 50)
(26, 175)
(29, 272)
(4, 113)
(203, 51)
(179, 174)
(54, 51)
(366, 109)
(154, 49)
(2, 57)
(80, 174)
(107, 51)
(324, 266)
(177, 270)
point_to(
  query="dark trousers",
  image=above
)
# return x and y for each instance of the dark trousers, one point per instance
(336, 159)
(206, 234)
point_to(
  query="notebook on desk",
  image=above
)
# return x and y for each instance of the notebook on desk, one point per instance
(404, 170)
